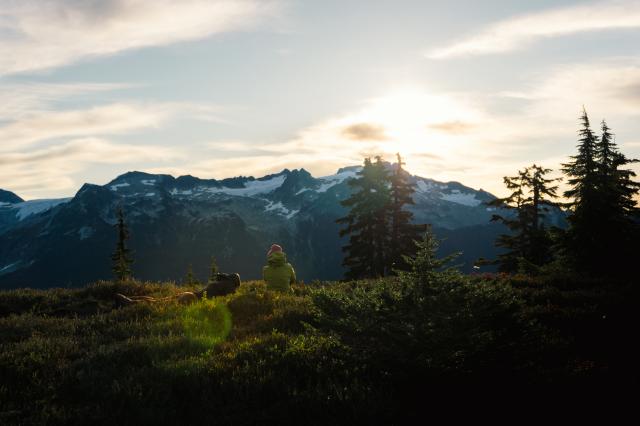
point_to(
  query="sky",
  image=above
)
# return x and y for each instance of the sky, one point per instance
(465, 90)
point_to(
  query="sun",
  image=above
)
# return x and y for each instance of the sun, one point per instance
(412, 121)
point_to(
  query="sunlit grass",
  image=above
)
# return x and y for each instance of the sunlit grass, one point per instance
(207, 321)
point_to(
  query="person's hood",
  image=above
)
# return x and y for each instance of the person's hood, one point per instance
(277, 259)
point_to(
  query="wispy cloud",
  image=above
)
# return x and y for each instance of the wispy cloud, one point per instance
(108, 119)
(520, 31)
(18, 100)
(43, 148)
(609, 88)
(44, 34)
(365, 131)
(49, 170)
(453, 127)
(93, 150)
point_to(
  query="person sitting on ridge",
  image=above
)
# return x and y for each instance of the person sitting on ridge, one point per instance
(278, 273)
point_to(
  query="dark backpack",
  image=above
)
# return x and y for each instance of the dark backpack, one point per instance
(222, 285)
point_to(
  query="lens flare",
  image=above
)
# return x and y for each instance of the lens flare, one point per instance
(207, 322)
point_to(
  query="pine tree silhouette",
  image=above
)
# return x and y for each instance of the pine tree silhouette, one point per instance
(367, 222)
(189, 278)
(618, 225)
(603, 220)
(426, 271)
(122, 256)
(404, 234)
(529, 241)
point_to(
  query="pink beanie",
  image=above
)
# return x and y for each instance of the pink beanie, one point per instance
(274, 248)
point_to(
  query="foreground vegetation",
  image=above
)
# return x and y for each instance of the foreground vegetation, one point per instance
(362, 351)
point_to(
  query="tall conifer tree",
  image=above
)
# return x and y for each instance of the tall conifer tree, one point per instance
(366, 224)
(542, 192)
(122, 256)
(189, 278)
(513, 243)
(618, 226)
(404, 234)
(529, 241)
(379, 200)
(603, 215)
(582, 239)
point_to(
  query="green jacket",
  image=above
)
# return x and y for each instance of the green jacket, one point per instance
(278, 274)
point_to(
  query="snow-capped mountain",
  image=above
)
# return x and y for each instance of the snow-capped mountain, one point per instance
(180, 221)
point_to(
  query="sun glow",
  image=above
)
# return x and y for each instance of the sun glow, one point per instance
(412, 122)
(440, 135)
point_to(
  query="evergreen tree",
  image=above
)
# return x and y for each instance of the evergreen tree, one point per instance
(122, 256)
(425, 267)
(614, 181)
(529, 242)
(379, 199)
(404, 234)
(189, 278)
(542, 192)
(603, 222)
(582, 239)
(367, 222)
(213, 271)
(618, 221)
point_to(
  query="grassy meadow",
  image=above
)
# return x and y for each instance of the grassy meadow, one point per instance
(352, 352)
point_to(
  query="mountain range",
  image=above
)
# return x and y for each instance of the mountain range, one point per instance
(177, 222)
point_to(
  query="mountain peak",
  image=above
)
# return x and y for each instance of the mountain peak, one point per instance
(9, 197)
(137, 176)
(349, 169)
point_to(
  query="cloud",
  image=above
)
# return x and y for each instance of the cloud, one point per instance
(607, 88)
(239, 148)
(399, 121)
(36, 35)
(107, 119)
(42, 150)
(51, 169)
(91, 150)
(364, 132)
(29, 118)
(18, 100)
(520, 31)
(453, 127)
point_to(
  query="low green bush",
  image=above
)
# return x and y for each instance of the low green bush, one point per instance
(350, 352)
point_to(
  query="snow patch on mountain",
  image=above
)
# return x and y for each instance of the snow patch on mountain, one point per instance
(85, 232)
(8, 268)
(423, 186)
(119, 185)
(28, 208)
(464, 198)
(252, 188)
(333, 180)
(280, 209)
(148, 182)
